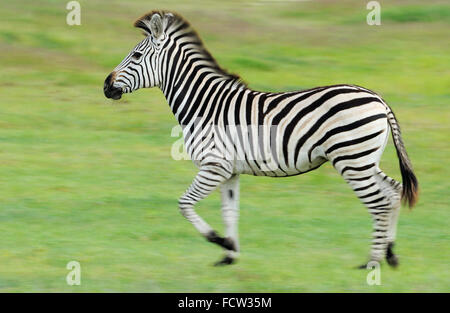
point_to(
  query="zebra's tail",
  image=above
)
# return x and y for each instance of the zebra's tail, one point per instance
(410, 190)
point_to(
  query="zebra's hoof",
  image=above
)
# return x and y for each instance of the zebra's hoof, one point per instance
(392, 260)
(226, 243)
(225, 261)
(368, 265)
(362, 266)
(229, 244)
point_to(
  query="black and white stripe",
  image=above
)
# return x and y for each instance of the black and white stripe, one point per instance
(230, 130)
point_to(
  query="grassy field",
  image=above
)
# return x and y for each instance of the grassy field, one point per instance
(88, 179)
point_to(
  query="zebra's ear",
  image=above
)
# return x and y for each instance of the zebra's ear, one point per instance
(151, 24)
(142, 25)
(156, 26)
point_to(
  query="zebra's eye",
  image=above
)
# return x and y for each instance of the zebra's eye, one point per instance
(136, 55)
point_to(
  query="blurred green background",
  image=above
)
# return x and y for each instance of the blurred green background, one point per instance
(88, 179)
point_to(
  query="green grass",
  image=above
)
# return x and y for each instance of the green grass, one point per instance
(88, 179)
(432, 13)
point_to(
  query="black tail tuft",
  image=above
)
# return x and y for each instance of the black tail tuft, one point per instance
(410, 191)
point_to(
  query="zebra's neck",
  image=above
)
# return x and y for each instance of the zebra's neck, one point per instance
(199, 92)
(191, 79)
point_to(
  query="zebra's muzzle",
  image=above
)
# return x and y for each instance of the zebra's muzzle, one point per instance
(109, 90)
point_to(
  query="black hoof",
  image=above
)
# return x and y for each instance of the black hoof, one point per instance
(362, 266)
(226, 243)
(365, 266)
(392, 261)
(225, 261)
(391, 258)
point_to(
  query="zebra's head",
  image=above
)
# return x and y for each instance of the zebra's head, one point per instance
(141, 67)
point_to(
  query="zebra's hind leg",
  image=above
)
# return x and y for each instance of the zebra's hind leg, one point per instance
(377, 193)
(230, 215)
(393, 189)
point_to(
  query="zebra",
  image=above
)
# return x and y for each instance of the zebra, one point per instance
(292, 132)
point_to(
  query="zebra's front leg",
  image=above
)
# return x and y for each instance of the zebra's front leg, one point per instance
(230, 215)
(208, 178)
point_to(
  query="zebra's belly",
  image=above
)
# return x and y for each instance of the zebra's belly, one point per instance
(256, 159)
(277, 169)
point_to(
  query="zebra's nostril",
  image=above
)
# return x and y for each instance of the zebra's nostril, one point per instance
(108, 80)
(106, 87)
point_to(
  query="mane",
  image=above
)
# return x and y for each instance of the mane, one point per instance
(179, 22)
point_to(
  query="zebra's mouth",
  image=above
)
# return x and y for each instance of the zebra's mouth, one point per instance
(117, 95)
(112, 92)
